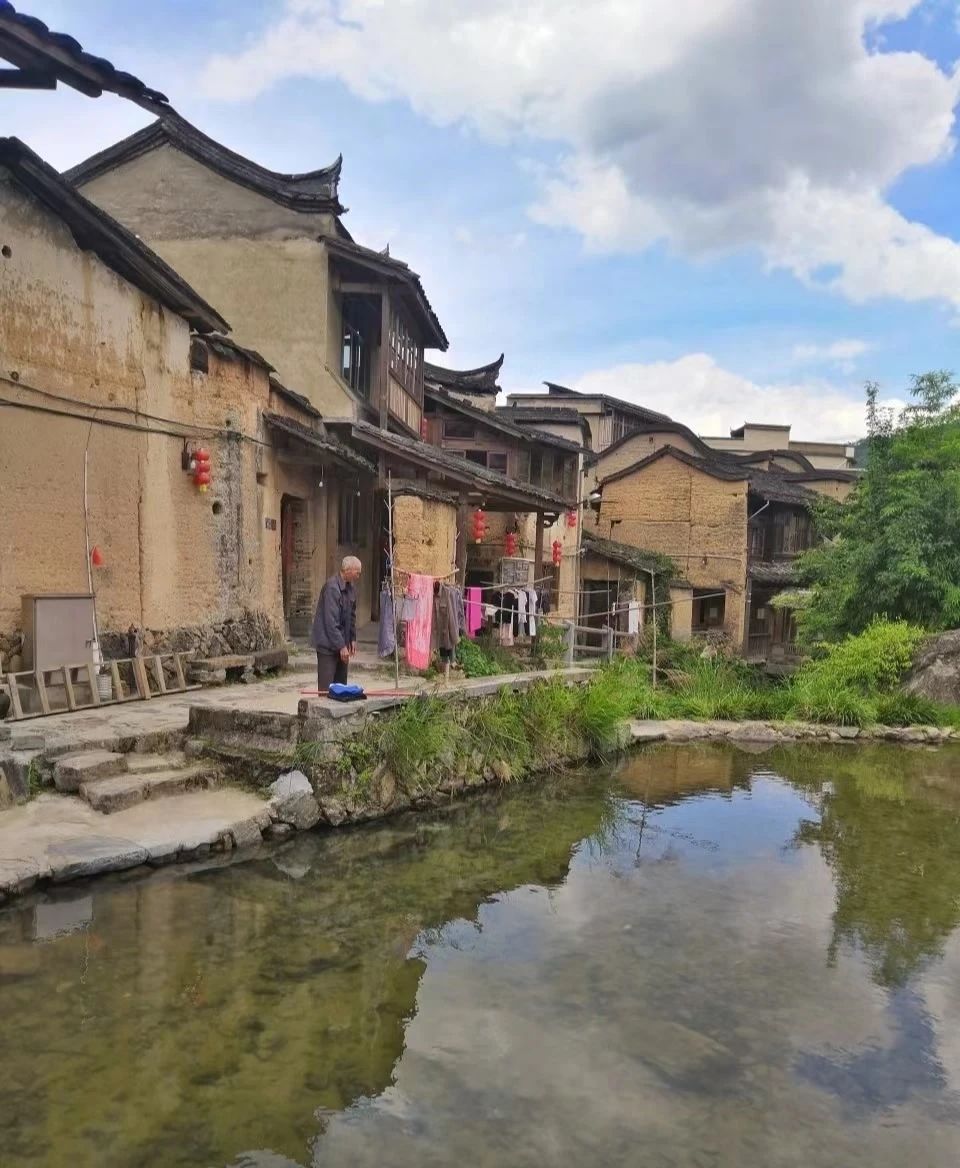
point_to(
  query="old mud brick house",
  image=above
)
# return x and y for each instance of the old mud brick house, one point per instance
(346, 325)
(732, 531)
(109, 359)
(606, 419)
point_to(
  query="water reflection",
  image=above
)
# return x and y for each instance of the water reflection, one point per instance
(706, 957)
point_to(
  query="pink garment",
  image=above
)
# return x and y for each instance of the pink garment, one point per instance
(474, 611)
(419, 627)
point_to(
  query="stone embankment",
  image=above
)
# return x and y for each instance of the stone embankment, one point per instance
(683, 730)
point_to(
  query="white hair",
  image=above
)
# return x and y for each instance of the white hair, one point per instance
(348, 563)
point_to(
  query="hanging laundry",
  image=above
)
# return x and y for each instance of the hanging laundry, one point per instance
(460, 610)
(532, 611)
(387, 637)
(420, 624)
(446, 626)
(474, 611)
(633, 617)
(521, 612)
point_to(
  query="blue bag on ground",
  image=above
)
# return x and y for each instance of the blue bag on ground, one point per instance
(346, 693)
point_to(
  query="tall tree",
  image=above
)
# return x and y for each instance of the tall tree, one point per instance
(893, 548)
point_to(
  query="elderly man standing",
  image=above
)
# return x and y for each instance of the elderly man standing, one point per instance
(335, 625)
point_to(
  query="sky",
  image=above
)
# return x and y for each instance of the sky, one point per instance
(734, 211)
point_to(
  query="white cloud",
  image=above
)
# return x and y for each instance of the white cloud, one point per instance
(711, 400)
(761, 123)
(847, 350)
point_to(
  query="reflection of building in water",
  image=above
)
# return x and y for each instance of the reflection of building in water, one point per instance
(278, 998)
(667, 774)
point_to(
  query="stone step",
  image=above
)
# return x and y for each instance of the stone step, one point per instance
(148, 764)
(123, 791)
(74, 769)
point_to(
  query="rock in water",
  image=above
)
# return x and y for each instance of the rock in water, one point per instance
(936, 671)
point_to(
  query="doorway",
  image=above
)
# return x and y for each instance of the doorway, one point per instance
(296, 556)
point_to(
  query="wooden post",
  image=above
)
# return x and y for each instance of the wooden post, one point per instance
(393, 590)
(538, 553)
(383, 372)
(653, 609)
(570, 640)
(14, 688)
(608, 641)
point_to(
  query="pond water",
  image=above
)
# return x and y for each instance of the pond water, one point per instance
(702, 957)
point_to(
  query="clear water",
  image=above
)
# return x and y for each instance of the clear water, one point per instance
(702, 958)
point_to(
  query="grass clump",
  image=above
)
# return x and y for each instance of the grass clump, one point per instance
(497, 730)
(416, 736)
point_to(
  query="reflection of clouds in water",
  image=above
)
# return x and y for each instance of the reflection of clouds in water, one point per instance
(652, 1015)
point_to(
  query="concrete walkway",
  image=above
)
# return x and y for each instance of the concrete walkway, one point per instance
(117, 727)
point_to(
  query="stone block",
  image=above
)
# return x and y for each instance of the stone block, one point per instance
(279, 831)
(292, 783)
(300, 810)
(74, 769)
(89, 856)
(647, 731)
(27, 740)
(246, 834)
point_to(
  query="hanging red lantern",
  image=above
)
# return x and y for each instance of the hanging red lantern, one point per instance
(201, 469)
(96, 558)
(557, 553)
(423, 427)
(479, 525)
(571, 519)
(510, 543)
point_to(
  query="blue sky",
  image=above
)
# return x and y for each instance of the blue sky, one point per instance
(729, 212)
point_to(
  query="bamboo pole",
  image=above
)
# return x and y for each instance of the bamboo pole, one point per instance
(653, 590)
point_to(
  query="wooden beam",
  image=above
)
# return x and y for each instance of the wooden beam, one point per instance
(463, 518)
(27, 79)
(383, 372)
(14, 688)
(538, 548)
(42, 691)
(360, 288)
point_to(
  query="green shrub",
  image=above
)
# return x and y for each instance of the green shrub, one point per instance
(485, 660)
(872, 662)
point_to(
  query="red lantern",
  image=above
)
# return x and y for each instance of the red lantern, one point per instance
(201, 469)
(96, 558)
(423, 427)
(510, 543)
(479, 525)
(557, 553)
(571, 519)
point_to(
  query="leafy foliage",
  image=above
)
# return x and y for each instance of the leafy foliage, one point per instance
(893, 548)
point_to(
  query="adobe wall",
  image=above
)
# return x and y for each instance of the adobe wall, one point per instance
(633, 449)
(257, 263)
(181, 565)
(424, 535)
(697, 520)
